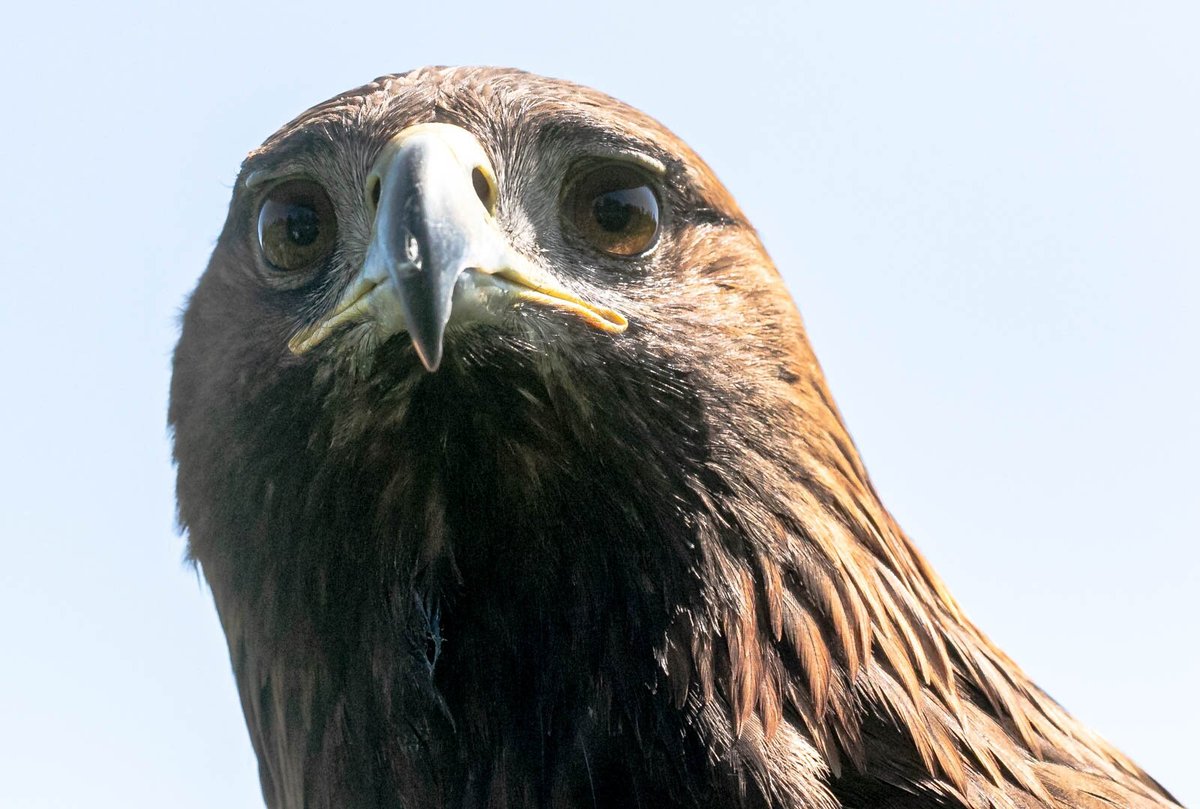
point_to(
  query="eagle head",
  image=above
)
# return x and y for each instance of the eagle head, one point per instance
(502, 448)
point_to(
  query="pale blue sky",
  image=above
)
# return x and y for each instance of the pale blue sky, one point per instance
(988, 214)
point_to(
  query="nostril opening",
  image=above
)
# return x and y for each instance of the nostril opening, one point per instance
(483, 189)
(373, 189)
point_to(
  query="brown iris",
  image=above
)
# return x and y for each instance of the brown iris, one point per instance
(614, 207)
(296, 225)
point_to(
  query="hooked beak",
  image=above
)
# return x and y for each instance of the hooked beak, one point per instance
(435, 242)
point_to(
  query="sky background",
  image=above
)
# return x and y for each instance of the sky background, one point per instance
(988, 214)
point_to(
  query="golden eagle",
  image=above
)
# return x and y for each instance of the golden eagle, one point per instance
(517, 484)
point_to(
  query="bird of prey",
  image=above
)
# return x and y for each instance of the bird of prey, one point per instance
(517, 484)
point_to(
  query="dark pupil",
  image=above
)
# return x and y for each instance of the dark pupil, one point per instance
(303, 225)
(615, 210)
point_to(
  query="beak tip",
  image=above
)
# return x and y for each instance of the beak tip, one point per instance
(430, 357)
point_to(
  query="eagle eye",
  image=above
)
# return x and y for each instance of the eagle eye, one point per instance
(615, 209)
(296, 225)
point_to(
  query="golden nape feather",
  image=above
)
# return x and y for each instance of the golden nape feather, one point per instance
(517, 484)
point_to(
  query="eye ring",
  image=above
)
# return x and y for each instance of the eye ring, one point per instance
(615, 207)
(297, 225)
